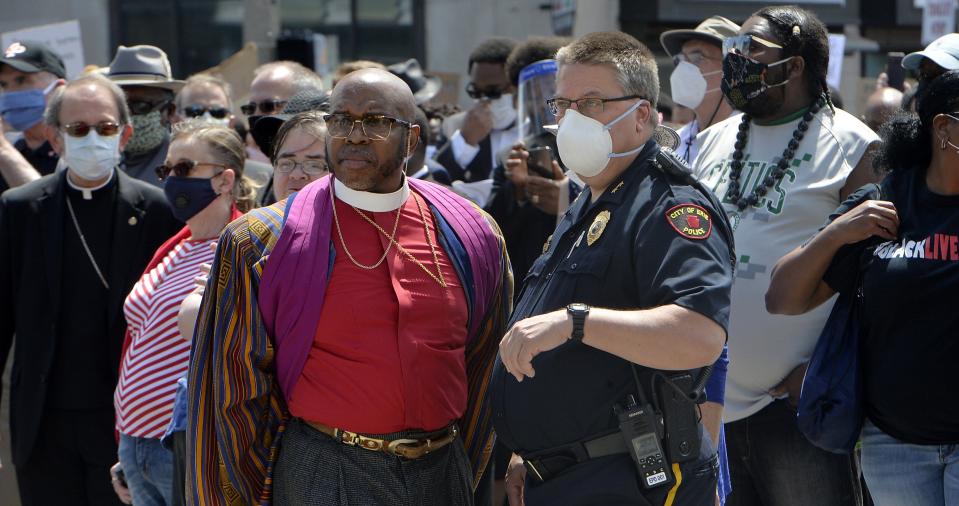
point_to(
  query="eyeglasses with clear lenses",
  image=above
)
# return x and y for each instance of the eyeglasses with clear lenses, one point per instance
(310, 167)
(182, 169)
(588, 106)
(748, 45)
(264, 106)
(694, 57)
(195, 111)
(375, 127)
(81, 129)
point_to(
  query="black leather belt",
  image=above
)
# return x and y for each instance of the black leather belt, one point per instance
(546, 464)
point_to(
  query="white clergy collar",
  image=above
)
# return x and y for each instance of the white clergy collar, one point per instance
(372, 202)
(88, 192)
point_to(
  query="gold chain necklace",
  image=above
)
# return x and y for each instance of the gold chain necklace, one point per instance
(339, 232)
(438, 277)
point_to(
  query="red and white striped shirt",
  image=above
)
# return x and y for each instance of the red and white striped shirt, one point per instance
(157, 355)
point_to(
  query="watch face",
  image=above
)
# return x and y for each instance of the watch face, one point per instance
(577, 306)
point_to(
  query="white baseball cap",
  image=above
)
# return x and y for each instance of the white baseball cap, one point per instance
(943, 51)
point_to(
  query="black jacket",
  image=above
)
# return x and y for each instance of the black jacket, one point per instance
(32, 221)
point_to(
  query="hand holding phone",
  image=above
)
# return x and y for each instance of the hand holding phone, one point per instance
(541, 161)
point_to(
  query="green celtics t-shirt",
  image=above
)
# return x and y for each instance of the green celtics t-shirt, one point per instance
(764, 348)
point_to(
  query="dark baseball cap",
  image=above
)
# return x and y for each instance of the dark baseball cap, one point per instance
(29, 56)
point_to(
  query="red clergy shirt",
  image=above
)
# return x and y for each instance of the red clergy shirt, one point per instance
(389, 350)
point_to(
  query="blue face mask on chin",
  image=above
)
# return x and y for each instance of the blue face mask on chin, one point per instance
(188, 195)
(23, 110)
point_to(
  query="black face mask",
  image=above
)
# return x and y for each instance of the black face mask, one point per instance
(744, 85)
(188, 195)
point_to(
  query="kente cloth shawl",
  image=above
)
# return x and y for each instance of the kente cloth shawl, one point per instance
(259, 315)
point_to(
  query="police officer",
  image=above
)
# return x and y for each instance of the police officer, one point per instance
(624, 310)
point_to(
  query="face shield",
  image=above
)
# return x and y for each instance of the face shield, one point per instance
(537, 83)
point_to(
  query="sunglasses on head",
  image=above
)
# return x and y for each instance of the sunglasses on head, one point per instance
(490, 93)
(265, 107)
(195, 111)
(138, 107)
(182, 169)
(81, 129)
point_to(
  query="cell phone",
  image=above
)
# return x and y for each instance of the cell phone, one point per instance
(894, 71)
(541, 161)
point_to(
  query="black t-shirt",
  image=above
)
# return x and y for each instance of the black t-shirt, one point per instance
(909, 341)
(663, 243)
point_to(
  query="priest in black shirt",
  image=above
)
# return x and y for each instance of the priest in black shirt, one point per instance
(73, 244)
(29, 72)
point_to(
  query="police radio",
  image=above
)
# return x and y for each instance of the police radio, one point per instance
(642, 431)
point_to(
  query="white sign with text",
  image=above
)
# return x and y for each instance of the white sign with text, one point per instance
(63, 38)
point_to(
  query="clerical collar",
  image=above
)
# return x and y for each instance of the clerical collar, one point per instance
(88, 192)
(372, 202)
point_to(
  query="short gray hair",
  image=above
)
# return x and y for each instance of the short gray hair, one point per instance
(198, 79)
(303, 78)
(634, 63)
(52, 114)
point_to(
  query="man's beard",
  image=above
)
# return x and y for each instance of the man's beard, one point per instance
(368, 180)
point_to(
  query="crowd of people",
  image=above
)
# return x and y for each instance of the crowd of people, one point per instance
(557, 296)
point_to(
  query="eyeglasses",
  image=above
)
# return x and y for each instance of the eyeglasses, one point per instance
(748, 45)
(182, 169)
(81, 129)
(490, 93)
(589, 106)
(375, 127)
(311, 167)
(264, 106)
(695, 57)
(195, 111)
(138, 107)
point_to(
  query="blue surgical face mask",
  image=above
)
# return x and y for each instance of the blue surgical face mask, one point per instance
(188, 195)
(23, 110)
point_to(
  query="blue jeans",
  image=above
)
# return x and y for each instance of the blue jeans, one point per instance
(148, 468)
(903, 474)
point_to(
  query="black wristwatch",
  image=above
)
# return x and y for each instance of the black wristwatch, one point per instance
(579, 312)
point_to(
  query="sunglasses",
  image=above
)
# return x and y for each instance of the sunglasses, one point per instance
(81, 129)
(265, 107)
(182, 169)
(195, 111)
(490, 93)
(138, 107)
(748, 45)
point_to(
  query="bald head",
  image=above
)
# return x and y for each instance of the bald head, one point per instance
(374, 91)
(881, 105)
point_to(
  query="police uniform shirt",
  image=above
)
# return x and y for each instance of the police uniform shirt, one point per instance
(648, 241)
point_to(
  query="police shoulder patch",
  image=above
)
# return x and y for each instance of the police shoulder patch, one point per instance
(691, 221)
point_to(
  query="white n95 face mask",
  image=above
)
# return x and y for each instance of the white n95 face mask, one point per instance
(688, 84)
(92, 157)
(585, 145)
(503, 111)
